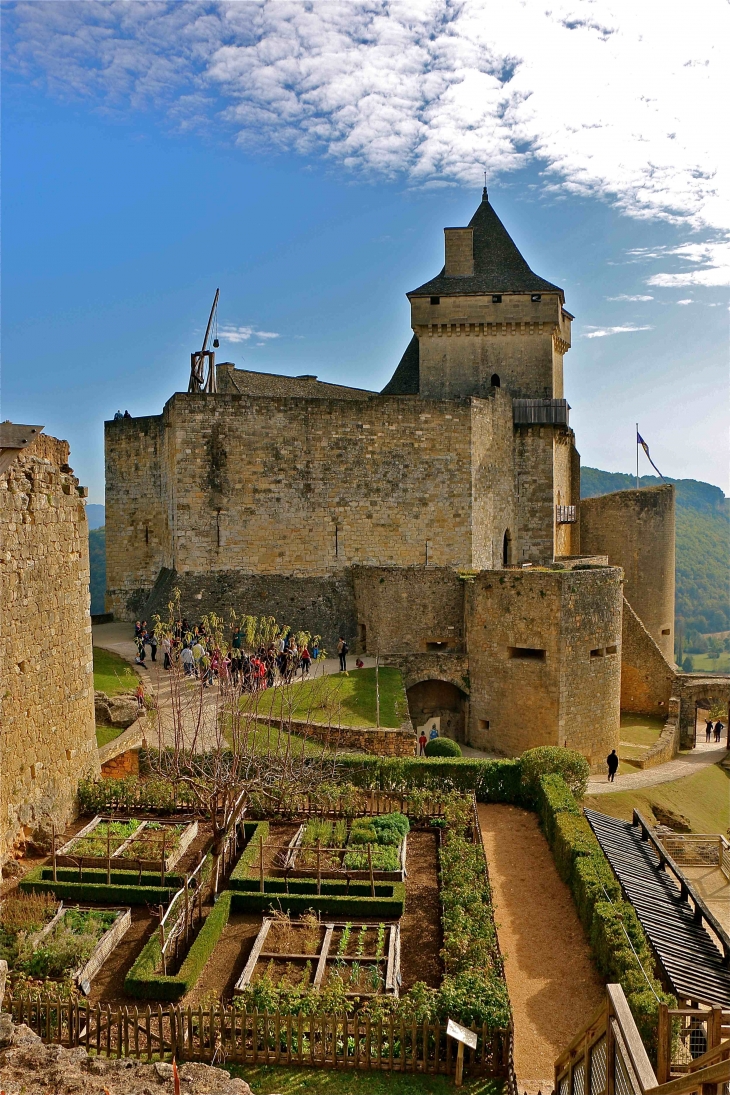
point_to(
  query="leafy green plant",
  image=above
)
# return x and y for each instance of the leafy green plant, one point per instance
(68, 946)
(383, 859)
(553, 760)
(344, 939)
(443, 747)
(380, 945)
(95, 842)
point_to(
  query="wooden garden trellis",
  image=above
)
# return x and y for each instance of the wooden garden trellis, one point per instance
(220, 1035)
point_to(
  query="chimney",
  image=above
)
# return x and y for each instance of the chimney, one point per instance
(459, 246)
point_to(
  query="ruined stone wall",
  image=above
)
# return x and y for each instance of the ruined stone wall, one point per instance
(647, 678)
(138, 512)
(464, 340)
(47, 729)
(403, 610)
(544, 660)
(635, 528)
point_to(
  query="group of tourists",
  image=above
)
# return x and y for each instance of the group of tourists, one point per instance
(713, 732)
(207, 659)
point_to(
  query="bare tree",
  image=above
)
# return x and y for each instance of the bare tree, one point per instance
(228, 740)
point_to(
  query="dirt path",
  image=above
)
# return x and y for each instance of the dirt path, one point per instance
(226, 963)
(553, 985)
(686, 764)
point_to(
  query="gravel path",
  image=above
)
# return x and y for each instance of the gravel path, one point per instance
(553, 985)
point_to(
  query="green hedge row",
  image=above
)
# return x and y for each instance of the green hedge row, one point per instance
(97, 796)
(490, 780)
(607, 918)
(145, 980)
(334, 900)
(253, 831)
(123, 890)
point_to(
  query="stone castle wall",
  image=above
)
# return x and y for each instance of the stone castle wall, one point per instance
(635, 528)
(305, 487)
(47, 728)
(545, 660)
(409, 610)
(647, 678)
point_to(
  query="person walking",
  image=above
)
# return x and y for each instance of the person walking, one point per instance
(140, 696)
(188, 660)
(342, 651)
(718, 730)
(612, 762)
(166, 651)
(422, 740)
(305, 661)
(708, 730)
(153, 645)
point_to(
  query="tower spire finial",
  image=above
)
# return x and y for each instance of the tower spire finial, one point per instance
(485, 196)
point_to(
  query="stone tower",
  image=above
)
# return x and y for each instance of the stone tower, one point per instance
(485, 321)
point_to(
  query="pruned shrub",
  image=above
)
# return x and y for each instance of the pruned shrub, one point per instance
(548, 760)
(443, 747)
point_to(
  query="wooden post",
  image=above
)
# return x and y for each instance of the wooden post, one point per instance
(162, 864)
(108, 854)
(53, 851)
(162, 943)
(370, 868)
(261, 863)
(319, 867)
(186, 897)
(664, 1045)
(459, 1075)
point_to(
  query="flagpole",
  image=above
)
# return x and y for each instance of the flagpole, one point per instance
(637, 455)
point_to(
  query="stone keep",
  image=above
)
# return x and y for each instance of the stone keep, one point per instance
(47, 728)
(289, 497)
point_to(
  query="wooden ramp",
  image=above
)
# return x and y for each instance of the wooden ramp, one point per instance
(692, 962)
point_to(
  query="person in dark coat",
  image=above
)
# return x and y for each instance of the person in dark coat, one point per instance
(612, 762)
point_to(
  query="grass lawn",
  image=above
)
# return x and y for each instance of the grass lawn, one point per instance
(105, 734)
(702, 663)
(268, 1080)
(347, 699)
(264, 739)
(112, 674)
(703, 798)
(641, 729)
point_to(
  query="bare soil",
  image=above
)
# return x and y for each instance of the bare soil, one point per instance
(108, 985)
(554, 987)
(226, 963)
(420, 927)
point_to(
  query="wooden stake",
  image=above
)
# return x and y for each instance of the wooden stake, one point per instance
(261, 863)
(370, 868)
(186, 896)
(319, 868)
(53, 851)
(459, 1077)
(162, 865)
(108, 854)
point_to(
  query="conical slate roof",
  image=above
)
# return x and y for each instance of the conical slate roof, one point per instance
(498, 265)
(406, 378)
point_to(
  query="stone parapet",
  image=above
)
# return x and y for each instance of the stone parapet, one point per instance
(378, 740)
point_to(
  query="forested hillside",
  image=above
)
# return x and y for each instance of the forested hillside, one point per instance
(97, 565)
(703, 543)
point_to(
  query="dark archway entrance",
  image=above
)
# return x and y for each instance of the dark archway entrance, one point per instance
(439, 699)
(507, 549)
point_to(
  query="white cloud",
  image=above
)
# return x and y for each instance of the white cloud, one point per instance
(712, 259)
(626, 296)
(603, 332)
(613, 99)
(243, 334)
(687, 301)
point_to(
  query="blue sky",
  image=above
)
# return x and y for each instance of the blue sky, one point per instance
(154, 152)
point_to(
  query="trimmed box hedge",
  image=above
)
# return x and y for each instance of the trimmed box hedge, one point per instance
(253, 832)
(122, 890)
(333, 900)
(607, 918)
(145, 980)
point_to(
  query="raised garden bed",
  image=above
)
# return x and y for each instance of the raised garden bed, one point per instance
(144, 843)
(364, 957)
(369, 845)
(72, 944)
(119, 887)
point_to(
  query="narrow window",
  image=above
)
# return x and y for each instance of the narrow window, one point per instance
(666, 631)
(495, 380)
(598, 653)
(435, 300)
(437, 644)
(506, 549)
(535, 297)
(484, 724)
(527, 653)
(496, 298)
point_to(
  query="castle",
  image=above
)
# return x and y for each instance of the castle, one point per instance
(437, 522)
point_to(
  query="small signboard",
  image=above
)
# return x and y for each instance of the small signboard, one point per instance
(461, 1034)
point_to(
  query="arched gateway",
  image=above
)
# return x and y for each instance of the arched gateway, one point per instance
(439, 699)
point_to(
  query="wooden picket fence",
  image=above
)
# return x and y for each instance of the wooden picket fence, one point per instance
(221, 1035)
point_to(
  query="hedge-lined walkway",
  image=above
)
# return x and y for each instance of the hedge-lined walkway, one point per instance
(553, 984)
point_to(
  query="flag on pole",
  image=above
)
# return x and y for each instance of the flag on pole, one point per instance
(640, 441)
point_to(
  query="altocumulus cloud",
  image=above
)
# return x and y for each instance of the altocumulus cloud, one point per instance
(612, 98)
(243, 334)
(603, 332)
